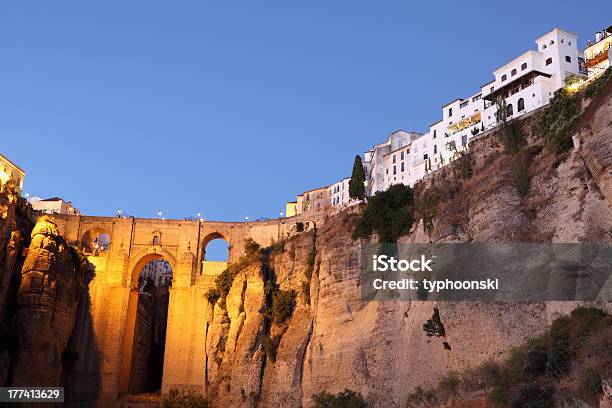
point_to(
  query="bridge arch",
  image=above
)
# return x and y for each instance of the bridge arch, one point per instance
(130, 335)
(95, 239)
(214, 236)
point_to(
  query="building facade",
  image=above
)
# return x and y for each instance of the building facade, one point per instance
(159, 272)
(10, 171)
(339, 193)
(598, 54)
(53, 205)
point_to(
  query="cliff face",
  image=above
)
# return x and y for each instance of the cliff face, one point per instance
(335, 341)
(15, 226)
(52, 279)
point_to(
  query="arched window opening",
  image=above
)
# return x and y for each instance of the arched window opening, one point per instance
(509, 110)
(216, 250)
(215, 254)
(95, 242)
(520, 105)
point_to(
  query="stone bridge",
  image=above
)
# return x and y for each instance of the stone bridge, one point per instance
(113, 291)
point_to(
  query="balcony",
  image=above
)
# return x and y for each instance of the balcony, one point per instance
(463, 124)
(597, 58)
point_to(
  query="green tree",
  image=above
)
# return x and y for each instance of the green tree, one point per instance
(345, 399)
(357, 182)
(389, 213)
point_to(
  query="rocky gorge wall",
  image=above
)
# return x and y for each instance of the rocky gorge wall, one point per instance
(334, 340)
(42, 283)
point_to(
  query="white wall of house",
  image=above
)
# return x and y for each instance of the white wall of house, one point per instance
(339, 193)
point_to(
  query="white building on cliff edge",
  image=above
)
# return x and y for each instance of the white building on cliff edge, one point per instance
(526, 83)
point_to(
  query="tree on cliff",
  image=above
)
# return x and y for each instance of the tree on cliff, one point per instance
(357, 182)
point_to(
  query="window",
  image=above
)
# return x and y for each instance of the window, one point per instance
(520, 105)
(451, 145)
(450, 111)
(513, 72)
(394, 170)
(402, 167)
(401, 155)
(464, 104)
(434, 136)
(435, 149)
(425, 156)
(549, 61)
(568, 58)
(523, 66)
(156, 240)
(562, 40)
(463, 140)
(492, 89)
(510, 111)
(477, 97)
(552, 42)
(544, 47)
(393, 159)
(569, 42)
(504, 77)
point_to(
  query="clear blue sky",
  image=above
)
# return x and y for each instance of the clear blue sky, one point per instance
(230, 109)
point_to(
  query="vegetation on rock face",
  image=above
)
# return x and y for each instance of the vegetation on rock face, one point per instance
(510, 131)
(223, 284)
(388, 213)
(344, 399)
(188, 397)
(566, 363)
(357, 181)
(558, 118)
(434, 327)
(283, 304)
(421, 398)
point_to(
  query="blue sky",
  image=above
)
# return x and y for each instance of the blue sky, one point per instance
(230, 109)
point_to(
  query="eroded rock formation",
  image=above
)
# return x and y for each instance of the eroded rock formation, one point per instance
(51, 283)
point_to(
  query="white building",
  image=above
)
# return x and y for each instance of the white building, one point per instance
(388, 162)
(10, 171)
(158, 271)
(53, 205)
(526, 83)
(598, 54)
(339, 193)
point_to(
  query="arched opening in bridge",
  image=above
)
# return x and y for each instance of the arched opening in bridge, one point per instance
(215, 253)
(95, 242)
(145, 337)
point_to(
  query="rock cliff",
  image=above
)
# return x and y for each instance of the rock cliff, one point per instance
(334, 340)
(52, 278)
(15, 226)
